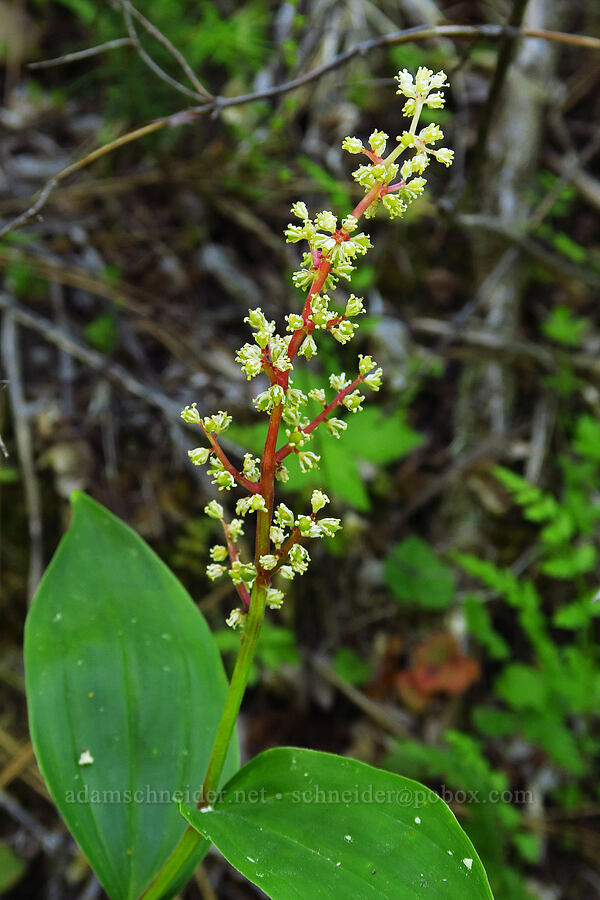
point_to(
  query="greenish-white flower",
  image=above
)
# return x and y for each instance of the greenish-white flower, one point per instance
(242, 572)
(318, 501)
(339, 382)
(335, 427)
(352, 145)
(215, 571)
(445, 156)
(308, 460)
(199, 456)
(308, 347)
(236, 618)
(190, 414)
(299, 209)
(236, 529)
(268, 561)
(217, 423)
(218, 553)
(274, 598)
(318, 394)
(377, 142)
(214, 510)
(330, 526)
(353, 401)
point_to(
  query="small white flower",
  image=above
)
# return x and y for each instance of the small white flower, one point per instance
(215, 571)
(308, 348)
(330, 526)
(308, 460)
(394, 205)
(339, 382)
(85, 758)
(218, 553)
(318, 501)
(352, 145)
(251, 467)
(236, 529)
(199, 456)
(335, 427)
(242, 572)
(214, 510)
(294, 322)
(299, 209)
(274, 598)
(217, 423)
(190, 414)
(445, 156)
(236, 618)
(354, 306)
(318, 394)
(268, 561)
(281, 473)
(377, 142)
(349, 224)
(284, 516)
(326, 221)
(353, 401)
(277, 535)
(373, 380)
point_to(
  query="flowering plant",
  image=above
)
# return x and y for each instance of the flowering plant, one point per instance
(124, 682)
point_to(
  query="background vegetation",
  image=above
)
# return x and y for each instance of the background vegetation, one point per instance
(454, 636)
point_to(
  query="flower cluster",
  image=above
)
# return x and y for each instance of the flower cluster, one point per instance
(332, 249)
(377, 177)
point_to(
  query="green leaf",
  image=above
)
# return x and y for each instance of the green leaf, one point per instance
(522, 687)
(415, 575)
(121, 664)
(350, 666)
(587, 438)
(12, 868)
(565, 328)
(103, 332)
(571, 561)
(479, 623)
(304, 824)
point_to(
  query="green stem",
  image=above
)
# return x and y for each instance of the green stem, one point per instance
(237, 687)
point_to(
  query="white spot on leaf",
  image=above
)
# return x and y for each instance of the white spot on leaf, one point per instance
(417, 820)
(85, 758)
(468, 863)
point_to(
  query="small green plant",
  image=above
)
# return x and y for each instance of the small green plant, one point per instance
(132, 720)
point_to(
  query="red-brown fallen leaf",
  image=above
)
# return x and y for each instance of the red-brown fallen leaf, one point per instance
(438, 667)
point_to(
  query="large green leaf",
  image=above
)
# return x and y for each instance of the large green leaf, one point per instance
(125, 688)
(303, 824)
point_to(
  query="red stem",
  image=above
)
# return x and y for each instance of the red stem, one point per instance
(308, 429)
(251, 486)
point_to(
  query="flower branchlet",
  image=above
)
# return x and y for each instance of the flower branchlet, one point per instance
(332, 247)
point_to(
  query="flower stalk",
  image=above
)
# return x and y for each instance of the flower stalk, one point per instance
(281, 535)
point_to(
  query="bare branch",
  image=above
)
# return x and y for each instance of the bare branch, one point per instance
(33, 498)
(189, 115)
(82, 54)
(164, 76)
(166, 43)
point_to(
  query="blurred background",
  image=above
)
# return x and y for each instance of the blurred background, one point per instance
(449, 633)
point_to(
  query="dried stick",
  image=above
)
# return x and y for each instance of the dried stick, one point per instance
(33, 501)
(82, 54)
(145, 57)
(166, 43)
(216, 105)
